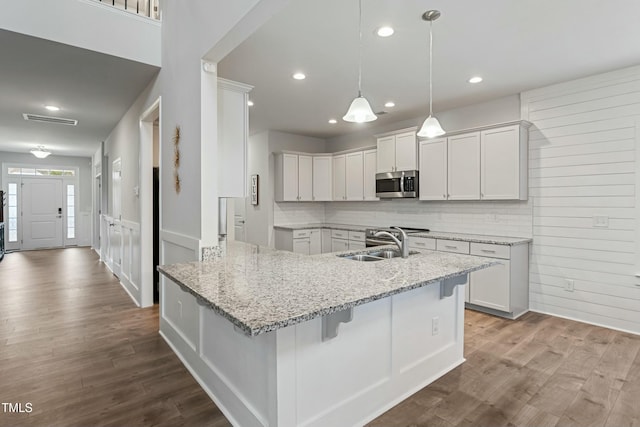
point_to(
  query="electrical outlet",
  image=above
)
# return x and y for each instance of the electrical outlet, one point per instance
(601, 221)
(568, 286)
(435, 326)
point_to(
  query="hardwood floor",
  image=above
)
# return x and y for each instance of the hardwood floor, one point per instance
(74, 345)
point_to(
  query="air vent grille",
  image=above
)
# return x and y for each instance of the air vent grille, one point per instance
(49, 119)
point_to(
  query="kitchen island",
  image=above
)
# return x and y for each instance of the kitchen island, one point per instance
(282, 339)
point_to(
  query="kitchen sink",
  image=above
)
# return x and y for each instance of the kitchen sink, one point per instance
(361, 257)
(388, 253)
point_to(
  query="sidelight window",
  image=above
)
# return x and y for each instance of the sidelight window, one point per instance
(13, 211)
(71, 212)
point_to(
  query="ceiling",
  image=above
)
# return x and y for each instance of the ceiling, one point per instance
(514, 45)
(90, 87)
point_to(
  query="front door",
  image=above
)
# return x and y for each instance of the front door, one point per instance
(42, 205)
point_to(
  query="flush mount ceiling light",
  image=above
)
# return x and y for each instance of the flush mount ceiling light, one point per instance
(390, 104)
(431, 126)
(52, 108)
(359, 111)
(299, 76)
(385, 31)
(333, 121)
(475, 79)
(40, 152)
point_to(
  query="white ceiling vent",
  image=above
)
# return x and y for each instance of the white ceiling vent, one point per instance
(49, 119)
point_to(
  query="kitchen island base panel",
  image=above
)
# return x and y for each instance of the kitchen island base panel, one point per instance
(291, 377)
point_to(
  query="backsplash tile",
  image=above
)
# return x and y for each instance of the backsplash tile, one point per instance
(500, 218)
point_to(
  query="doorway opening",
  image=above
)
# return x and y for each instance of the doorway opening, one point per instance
(150, 202)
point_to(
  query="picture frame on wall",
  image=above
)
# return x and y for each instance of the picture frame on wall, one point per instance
(254, 189)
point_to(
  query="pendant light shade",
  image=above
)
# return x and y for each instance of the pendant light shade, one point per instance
(431, 126)
(40, 152)
(360, 111)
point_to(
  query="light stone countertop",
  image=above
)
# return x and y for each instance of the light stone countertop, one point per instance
(476, 238)
(260, 289)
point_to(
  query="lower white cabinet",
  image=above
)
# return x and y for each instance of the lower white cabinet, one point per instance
(307, 242)
(502, 289)
(326, 240)
(338, 245)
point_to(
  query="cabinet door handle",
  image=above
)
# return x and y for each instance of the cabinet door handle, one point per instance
(444, 196)
(450, 247)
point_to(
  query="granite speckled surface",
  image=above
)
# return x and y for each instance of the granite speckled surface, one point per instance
(261, 289)
(476, 238)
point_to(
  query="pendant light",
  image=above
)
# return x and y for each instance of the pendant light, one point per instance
(360, 111)
(431, 126)
(40, 152)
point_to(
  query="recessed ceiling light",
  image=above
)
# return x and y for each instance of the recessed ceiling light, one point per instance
(250, 103)
(52, 108)
(390, 104)
(476, 79)
(299, 76)
(333, 121)
(385, 31)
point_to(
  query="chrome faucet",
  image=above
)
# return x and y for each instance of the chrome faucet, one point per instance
(402, 242)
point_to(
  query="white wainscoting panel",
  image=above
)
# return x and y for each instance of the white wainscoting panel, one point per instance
(120, 251)
(584, 179)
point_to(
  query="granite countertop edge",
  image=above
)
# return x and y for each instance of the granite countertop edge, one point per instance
(254, 331)
(464, 237)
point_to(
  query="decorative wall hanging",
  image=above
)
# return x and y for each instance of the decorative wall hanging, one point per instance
(176, 159)
(254, 189)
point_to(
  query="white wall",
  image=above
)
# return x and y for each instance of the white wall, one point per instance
(260, 219)
(86, 24)
(584, 153)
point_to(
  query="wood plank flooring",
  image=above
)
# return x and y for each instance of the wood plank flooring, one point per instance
(74, 345)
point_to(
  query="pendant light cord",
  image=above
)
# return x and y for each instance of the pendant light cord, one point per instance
(430, 68)
(360, 48)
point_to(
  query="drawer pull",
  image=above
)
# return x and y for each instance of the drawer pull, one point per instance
(489, 251)
(420, 244)
(450, 247)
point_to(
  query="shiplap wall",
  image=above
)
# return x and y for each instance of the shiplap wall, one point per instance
(583, 173)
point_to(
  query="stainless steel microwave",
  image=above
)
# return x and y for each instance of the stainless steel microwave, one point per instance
(403, 184)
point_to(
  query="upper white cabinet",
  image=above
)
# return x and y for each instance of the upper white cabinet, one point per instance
(370, 165)
(397, 151)
(302, 177)
(322, 178)
(488, 164)
(354, 174)
(463, 166)
(503, 163)
(349, 175)
(294, 179)
(339, 177)
(433, 169)
(233, 131)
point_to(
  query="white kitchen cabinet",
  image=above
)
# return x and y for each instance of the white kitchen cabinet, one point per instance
(315, 242)
(418, 243)
(433, 169)
(338, 245)
(357, 240)
(397, 151)
(233, 131)
(354, 173)
(293, 177)
(322, 178)
(503, 287)
(339, 177)
(326, 240)
(503, 163)
(305, 241)
(369, 176)
(463, 166)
